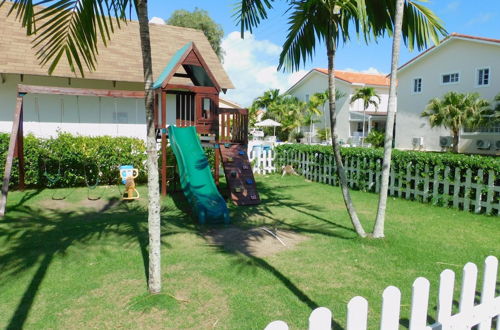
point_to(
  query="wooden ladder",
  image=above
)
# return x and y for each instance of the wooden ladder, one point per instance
(239, 175)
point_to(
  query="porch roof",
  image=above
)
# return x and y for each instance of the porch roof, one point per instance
(369, 115)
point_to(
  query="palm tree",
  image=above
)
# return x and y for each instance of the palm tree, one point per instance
(367, 95)
(270, 96)
(73, 29)
(329, 21)
(456, 111)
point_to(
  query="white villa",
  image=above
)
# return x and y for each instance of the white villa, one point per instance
(349, 116)
(119, 67)
(459, 63)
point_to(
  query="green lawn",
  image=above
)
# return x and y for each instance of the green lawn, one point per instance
(81, 264)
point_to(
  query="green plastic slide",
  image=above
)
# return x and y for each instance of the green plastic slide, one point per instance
(195, 176)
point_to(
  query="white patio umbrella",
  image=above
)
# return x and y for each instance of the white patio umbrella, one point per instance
(268, 123)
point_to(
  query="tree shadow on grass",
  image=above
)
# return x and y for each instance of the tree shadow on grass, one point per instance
(36, 236)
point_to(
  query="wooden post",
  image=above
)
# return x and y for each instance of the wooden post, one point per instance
(20, 150)
(10, 155)
(217, 161)
(163, 143)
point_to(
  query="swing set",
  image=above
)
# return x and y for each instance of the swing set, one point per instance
(16, 143)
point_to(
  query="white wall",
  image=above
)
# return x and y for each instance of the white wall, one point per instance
(83, 122)
(455, 55)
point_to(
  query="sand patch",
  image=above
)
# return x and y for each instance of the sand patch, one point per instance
(256, 242)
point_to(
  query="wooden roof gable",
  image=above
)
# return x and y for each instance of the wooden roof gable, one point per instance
(193, 63)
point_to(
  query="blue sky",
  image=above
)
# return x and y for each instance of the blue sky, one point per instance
(251, 63)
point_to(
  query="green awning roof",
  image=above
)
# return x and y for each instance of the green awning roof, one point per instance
(171, 65)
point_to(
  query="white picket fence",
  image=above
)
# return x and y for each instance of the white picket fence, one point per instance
(478, 191)
(262, 161)
(469, 313)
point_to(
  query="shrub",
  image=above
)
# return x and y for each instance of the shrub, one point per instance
(376, 138)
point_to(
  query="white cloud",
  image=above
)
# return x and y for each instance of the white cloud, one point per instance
(481, 18)
(251, 64)
(452, 6)
(370, 70)
(157, 20)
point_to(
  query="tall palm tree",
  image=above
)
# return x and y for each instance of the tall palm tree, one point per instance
(73, 29)
(329, 21)
(367, 95)
(456, 111)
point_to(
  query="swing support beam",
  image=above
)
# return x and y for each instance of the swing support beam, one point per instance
(16, 143)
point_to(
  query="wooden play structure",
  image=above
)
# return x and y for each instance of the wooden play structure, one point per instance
(196, 104)
(197, 101)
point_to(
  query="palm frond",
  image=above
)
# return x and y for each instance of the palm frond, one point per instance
(70, 29)
(421, 26)
(249, 13)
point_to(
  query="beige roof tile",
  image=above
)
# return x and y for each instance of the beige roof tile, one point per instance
(120, 61)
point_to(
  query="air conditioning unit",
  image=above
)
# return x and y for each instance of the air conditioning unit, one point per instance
(497, 144)
(417, 142)
(483, 144)
(445, 141)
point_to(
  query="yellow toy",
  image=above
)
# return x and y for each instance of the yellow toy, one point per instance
(128, 173)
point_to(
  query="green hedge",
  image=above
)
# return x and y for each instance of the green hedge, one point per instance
(75, 157)
(402, 158)
(79, 157)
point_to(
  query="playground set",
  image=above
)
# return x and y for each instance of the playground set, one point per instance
(199, 122)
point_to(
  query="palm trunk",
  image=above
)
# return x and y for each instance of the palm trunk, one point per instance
(336, 148)
(363, 138)
(378, 229)
(154, 224)
(455, 141)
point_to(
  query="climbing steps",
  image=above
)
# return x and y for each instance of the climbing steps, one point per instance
(239, 175)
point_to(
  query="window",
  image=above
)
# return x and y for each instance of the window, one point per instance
(120, 117)
(307, 98)
(450, 78)
(483, 77)
(417, 85)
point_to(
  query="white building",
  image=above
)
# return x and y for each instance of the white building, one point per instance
(119, 67)
(459, 63)
(349, 116)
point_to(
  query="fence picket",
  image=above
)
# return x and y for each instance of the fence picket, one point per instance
(489, 196)
(426, 184)
(445, 296)
(488, 291)
(479, 192)
(357, 313)
(468, 293)
(456, 188)
(391, 304)
(277, 325)
(467, 186)
(408, 180)
(320, 319)
(419, 304)
(435, 185)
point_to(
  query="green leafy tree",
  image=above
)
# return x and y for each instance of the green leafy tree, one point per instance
(456, 111)
(368, 96)
(73, 29)
(330, 21)
(200, 20)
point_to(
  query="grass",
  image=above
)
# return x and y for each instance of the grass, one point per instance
(82, 264)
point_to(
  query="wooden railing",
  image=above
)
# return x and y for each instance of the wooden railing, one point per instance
(233, 125)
